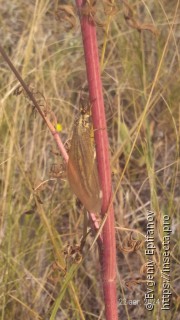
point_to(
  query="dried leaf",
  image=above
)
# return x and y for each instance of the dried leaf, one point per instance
(67, 13)
(134, 23)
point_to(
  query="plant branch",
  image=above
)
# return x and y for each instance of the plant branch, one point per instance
(108, 249)
(35, 103)
(53, 131)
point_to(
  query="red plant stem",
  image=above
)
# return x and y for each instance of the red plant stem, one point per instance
(108, 250)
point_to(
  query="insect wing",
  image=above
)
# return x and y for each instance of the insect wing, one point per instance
(82, 169)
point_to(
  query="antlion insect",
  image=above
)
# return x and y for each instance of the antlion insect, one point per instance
(82, 167)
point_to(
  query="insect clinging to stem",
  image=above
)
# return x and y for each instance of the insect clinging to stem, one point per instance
(82, 166)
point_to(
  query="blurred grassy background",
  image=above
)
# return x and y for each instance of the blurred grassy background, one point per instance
(50, 59)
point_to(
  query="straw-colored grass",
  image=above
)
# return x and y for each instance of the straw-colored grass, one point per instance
(141, 90)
